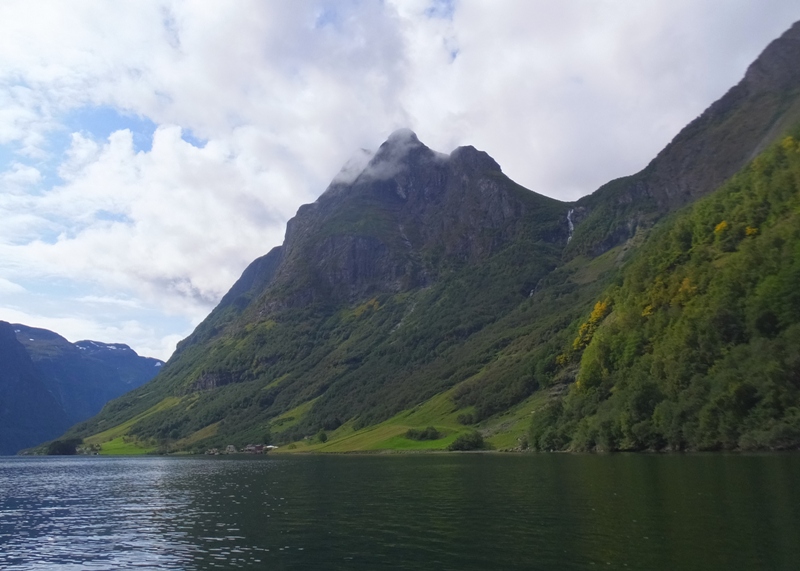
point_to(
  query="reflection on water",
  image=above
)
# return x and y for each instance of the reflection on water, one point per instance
(464, 512)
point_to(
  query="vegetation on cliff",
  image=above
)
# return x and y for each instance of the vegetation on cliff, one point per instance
(702, 348)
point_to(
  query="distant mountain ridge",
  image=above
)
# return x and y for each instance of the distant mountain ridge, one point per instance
(29, 413)
(47, 383)
(424, 289)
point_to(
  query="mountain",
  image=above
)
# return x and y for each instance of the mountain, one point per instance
(429, 289)
(348, 300)
(84, 376)
(29, 414)
(48, 383)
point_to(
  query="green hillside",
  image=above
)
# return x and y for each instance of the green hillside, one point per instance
(699, 346)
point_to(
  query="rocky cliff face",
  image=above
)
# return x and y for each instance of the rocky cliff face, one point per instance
(407, 215)
(394, 225)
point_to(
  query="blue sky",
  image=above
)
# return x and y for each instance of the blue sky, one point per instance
(150, 150)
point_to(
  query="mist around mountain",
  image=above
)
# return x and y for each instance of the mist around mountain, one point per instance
(425, 293)
(48, 384)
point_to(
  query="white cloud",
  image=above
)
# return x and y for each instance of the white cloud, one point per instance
(353, 167)
(8, 287)
(175, 225)
(564, 95)
(18, 177)
(110, 300)
(568, 95)
(79, 155)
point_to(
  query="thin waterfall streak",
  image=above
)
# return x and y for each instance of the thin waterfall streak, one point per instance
(571, 225)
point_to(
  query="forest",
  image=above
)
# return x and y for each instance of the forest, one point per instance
(697, 344)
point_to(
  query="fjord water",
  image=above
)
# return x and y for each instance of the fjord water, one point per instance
(448, 511)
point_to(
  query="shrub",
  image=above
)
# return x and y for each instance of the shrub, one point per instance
(470, 441)
(465, 418)
(429, 433)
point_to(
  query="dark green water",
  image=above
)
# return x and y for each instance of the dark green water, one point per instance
(418, 512)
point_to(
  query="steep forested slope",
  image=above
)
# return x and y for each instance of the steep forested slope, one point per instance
(699, 347)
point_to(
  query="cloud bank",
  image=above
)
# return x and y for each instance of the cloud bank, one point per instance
(150, 150)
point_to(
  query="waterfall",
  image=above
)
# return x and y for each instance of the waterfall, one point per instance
(569, 222)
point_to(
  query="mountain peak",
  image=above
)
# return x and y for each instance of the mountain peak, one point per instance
(381, 165)
(436, 284)
(402, 135)
(401, 148)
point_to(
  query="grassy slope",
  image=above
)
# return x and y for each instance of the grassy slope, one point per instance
(115, 439)
(505, 431)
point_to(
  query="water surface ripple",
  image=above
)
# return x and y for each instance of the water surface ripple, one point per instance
(417, 512)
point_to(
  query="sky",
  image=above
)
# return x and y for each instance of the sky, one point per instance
(150, 150)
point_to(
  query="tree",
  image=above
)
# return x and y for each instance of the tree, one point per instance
(430, 433)
(469, 441)
(64, 447)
